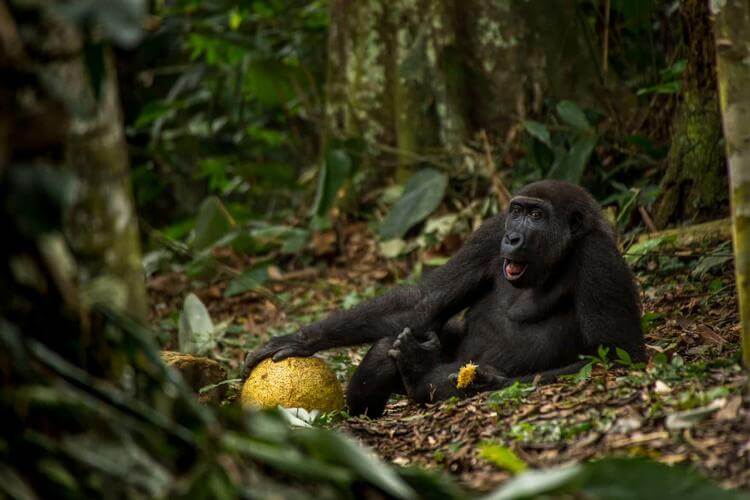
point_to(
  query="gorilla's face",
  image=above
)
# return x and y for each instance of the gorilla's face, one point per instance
(536, 239)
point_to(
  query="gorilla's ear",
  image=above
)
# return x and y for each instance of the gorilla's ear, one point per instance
(576, 222)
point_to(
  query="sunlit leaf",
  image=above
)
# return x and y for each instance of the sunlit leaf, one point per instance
(502, 457)
(196, 330)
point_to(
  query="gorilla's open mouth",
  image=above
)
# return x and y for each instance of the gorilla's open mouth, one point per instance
(514, 270)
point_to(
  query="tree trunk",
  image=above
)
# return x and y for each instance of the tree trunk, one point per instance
(420, 78)
(732, 30)
(694, 185)
(71, 126)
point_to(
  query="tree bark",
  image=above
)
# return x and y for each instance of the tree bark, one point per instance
(54, 116)
(694, 184)
(421, 77)
(732, 31)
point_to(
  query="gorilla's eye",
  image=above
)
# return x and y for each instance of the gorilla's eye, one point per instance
(536, 214)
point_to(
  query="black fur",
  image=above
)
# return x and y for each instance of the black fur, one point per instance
(575, 293)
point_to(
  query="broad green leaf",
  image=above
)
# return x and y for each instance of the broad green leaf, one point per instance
(615, 478)
(718, 258)
(623, 356)
(635, 479)
(335, 172)
(249, 280)
(638, 250)
(539, 131)
(422, 194)
(212, 223)
(286, 459)
(573, 115)
(534, 483)
(573, 164)
(339, 450)
(502, 456)
(196, 330)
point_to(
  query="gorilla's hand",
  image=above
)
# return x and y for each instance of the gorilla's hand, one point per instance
(278, 348)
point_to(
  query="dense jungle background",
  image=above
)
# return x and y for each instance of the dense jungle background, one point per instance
(181, 180)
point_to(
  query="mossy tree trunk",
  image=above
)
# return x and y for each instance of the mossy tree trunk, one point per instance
(421, 77)
(694, 184)
(732, 31)
(75, 128)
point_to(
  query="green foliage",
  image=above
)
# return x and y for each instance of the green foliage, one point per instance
(233, 108)
(212, 223)
(247, 281)
(502, 457)
(335, 171)
(565, 154)
(620, 478)
(670, 80)
(514, 393)
(423, 193)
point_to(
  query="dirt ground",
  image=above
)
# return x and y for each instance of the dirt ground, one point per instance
(688, 406)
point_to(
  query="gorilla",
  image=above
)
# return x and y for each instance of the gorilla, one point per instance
(532, 290)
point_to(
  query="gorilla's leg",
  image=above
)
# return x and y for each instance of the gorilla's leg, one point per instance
(375, 379)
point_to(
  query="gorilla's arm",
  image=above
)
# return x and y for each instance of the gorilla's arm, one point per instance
(606, 299)
(426, 306)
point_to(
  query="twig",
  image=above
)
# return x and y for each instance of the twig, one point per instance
(605, 42)
(647, 219)
(497, 183)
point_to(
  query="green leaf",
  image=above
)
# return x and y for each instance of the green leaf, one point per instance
(632, 479)
(422, 195)
(196, 330)
(502, 456)
(212, 223)
(335, 172)
(249, 280)
(337, 449)
(534, 483)
(638, 250)
(573, 164)
(270, 82)
(573, 115)
(623, 357)
(539, 131)
(285, 459)
(615, 478)
(717, 259)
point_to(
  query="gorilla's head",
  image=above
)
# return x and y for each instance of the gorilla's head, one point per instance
(543, 223)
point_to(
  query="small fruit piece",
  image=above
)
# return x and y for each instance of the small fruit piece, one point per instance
(293, 383)
(466, 375)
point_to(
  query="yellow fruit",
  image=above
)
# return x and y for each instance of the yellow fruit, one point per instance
(293, 383)
(466, 375)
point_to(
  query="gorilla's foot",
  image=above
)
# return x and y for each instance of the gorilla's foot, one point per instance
(415, 357)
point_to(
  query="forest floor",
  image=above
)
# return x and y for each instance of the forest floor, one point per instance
(688, 406)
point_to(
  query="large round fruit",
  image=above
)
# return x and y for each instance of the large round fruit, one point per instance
(293, 383)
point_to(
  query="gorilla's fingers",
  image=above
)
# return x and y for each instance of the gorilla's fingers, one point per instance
(287, 352)
(252, 359)
(394, 353)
